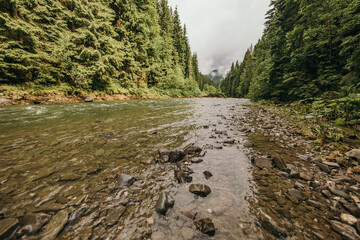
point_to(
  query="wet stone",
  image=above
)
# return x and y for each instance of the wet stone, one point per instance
(33, 222)
(99, 152)
(353, 209)
(7, 227)
(182, 177)
(205, 225)
(279, 163)
(200, 189)
(306, 176)
(297, 194)
(124, 181)
(207, 174)
(164, 203)
(188, 214)
(345, 230)
(323, 166)
(339, 192)
(68, 177)
(150, 221)
(196, 160)
(55, 226)
(284, 174)
(326, 193)
(331, 164)
(263, 162)
(270, 225)
(114, 215)
(173, 156)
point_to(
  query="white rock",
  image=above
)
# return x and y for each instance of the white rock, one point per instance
(347, 218)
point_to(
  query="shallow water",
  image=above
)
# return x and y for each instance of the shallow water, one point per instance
(67, 156)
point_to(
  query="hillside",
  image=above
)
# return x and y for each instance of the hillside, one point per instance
(99, 45)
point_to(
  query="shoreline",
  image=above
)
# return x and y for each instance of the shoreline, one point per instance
(47, 98)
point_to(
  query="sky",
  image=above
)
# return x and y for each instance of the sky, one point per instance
(220, 31)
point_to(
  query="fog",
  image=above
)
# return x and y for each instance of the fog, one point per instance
(220, 31)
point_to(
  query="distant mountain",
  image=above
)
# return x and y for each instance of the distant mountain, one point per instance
(215, 76)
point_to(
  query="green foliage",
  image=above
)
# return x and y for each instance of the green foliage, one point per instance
(106, 45)
(309, 48)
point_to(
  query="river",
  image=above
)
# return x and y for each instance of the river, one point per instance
(60, 168)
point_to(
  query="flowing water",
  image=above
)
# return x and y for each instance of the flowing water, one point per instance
(59, 168)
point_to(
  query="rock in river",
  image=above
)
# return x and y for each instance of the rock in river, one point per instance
(263, 162)
(7, 226)
(114, 215)
(339, 192)
(279, 163)
(200, 189)
(33, 222)
(124, 181)
(347, 218)
(56, 224)
(207, 174)
(164, 202)
(205, 225)
(345, 230)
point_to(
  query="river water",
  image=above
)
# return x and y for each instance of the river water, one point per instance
(60, 168)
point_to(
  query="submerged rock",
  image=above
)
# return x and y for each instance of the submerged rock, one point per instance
(323, 166)
(181, 176)
(55, 226)
(206, 226)
(263, 162)
(196, 160)
(279, 163)
(114, 215)
(345, 230)
(164, 203)
(207, 174)
(7, 227)
(200, 189)
(270, 225)
(172, 156)
(124, 181)
(33, 222)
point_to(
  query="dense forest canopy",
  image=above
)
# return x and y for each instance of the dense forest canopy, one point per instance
(309, 49)
(106, 45)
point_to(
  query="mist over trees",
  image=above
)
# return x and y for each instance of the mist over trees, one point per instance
(308, 49)
(106, 45)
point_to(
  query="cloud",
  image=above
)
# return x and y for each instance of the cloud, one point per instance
(220, 31)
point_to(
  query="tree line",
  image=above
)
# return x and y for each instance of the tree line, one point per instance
(309, 49)
(107, 45)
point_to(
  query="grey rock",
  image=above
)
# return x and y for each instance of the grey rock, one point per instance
(323, 166)
(279, 163)
(55, 226)
(200, 189)
(348, 219)
(284, 174)
(124, 181)
(114, 215)
(164, 203)
(263, 162)
(339, 192)
(7, 227)
(297, 194)
(326, 193)
(332, 164)
(345, 230)
(306, 176)
(355, 153)
(173, 156)
(206, 226)
(182, 176)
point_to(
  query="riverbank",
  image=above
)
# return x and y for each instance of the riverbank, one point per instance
(304, 178)
(14, 95)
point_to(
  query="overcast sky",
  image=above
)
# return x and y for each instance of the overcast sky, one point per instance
(220, 31)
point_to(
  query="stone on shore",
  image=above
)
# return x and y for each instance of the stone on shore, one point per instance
(206, 226)
(345, 230)
(55, 226)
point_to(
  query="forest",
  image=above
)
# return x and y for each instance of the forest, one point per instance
(309, 51)
(115, 46)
